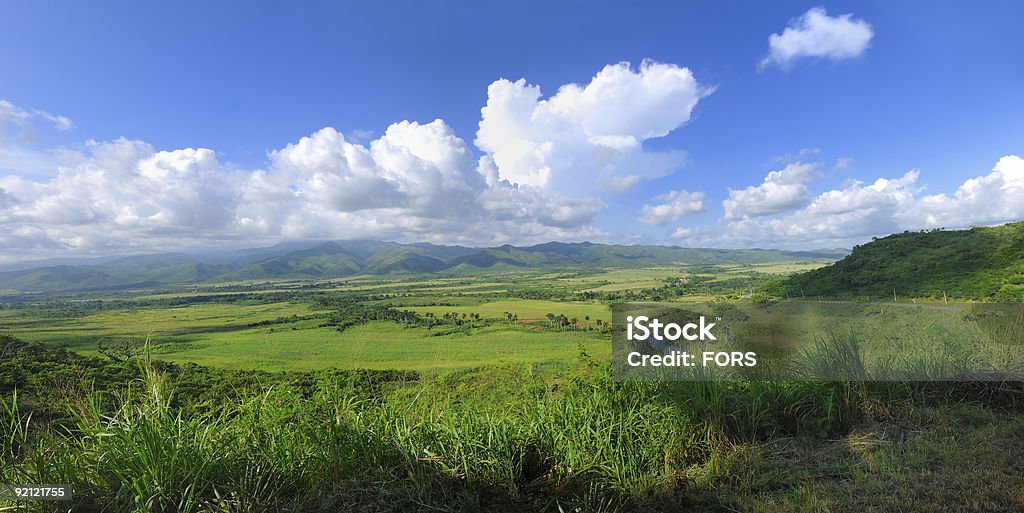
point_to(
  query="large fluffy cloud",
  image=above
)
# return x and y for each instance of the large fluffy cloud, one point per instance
(423, 169)
(815, 34)
(588, 135)
(120, 193)
(995, 197)
(415, 182)
(781, 191)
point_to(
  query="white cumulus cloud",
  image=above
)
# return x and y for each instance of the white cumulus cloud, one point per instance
(781, 191)
(672, 206)
(815, 34)
(993, 198)
(587, 135)
(124, 190)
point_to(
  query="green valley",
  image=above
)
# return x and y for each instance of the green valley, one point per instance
(384, 377)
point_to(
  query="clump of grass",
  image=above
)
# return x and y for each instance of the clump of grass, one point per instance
(151, 457)
(834, 357)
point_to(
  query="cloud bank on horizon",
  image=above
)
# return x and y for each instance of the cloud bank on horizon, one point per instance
(544, 168)
(781, 209)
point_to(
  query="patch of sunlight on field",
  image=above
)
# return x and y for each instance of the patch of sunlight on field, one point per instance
(694, 298)
(389, 285)
(623, 279)
(386, 345)
(423, 285)
(788, 267)
(180, 324)
(189, 294)
(223, 335)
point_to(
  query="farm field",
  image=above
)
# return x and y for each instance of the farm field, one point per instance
(280, 326)
(464, 322)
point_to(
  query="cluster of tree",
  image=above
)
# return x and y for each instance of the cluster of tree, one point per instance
(453, 318)
(593, 295)
(675, 287)
(289, 319)
(351, 313)
(562, 323)
(548, 294)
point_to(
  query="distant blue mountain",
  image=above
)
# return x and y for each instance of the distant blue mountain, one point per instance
(334, 259)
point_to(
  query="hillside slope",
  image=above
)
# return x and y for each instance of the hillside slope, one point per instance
(984, 262)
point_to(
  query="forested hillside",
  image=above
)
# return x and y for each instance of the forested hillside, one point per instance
(979, 263)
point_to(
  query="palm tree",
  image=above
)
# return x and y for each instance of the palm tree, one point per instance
(563, 321)
(574, 322)
(587, 318)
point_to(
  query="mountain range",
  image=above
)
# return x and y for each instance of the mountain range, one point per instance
(336, 259)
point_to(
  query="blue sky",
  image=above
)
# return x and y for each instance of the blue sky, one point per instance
(890, 89)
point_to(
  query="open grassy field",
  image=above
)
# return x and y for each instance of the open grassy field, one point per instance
(230, 335)
(382, 345)
(186, 324)
(232, 325)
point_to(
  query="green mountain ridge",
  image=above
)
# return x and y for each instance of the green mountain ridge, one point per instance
(979, 263)
(336, 259)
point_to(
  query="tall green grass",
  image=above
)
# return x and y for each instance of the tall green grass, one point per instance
(525, 441)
